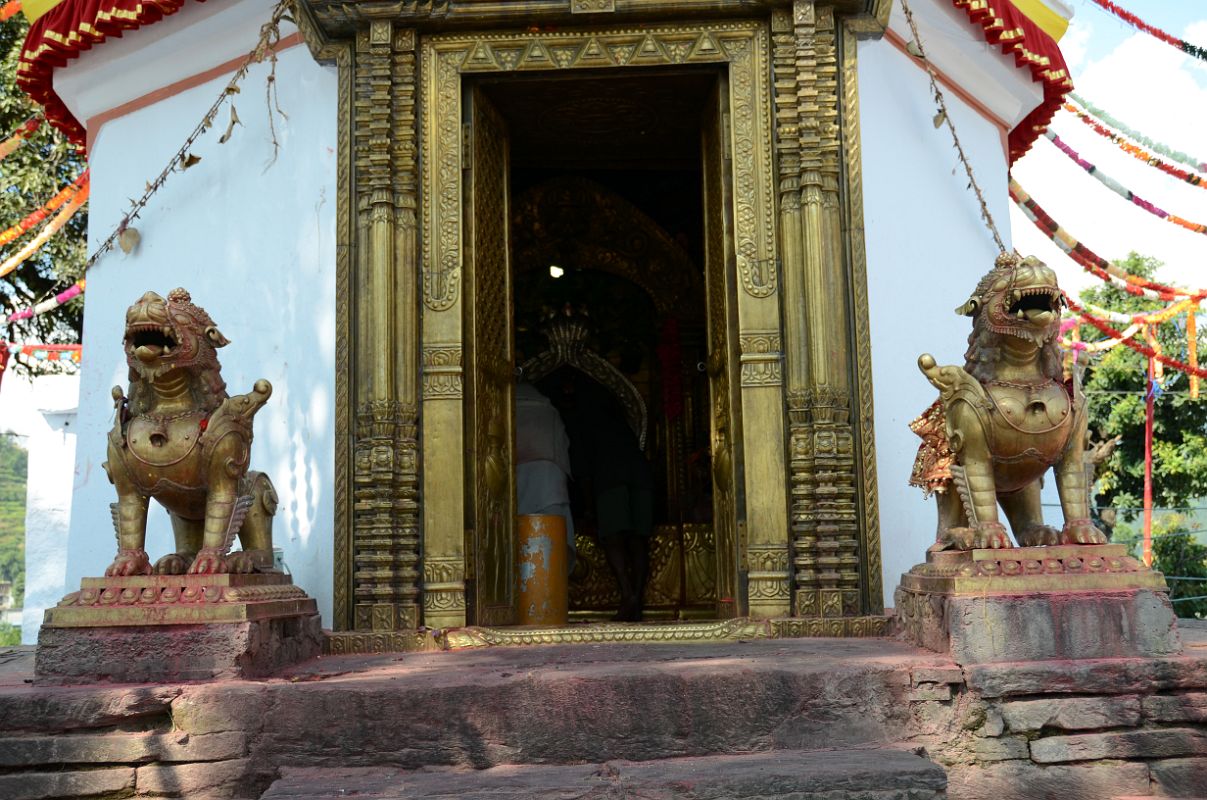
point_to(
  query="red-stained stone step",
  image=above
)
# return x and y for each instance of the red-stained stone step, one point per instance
(834, 775)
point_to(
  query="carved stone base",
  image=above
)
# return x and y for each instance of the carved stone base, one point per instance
(159, 628)
(343, 643)
(1037, 604)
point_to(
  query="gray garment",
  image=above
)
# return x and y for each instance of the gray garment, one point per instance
(542, 460)
(540, 434)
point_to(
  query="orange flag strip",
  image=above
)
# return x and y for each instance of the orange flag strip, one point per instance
(52, 227)
(64, 194)
(1192, 349)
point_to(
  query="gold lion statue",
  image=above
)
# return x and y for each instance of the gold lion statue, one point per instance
(181, 439)
(1005, 417)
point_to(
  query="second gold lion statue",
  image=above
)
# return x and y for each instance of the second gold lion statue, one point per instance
(1005, 417)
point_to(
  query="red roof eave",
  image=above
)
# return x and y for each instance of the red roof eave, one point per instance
(65, 31)
(74, 26)
(1010, 29)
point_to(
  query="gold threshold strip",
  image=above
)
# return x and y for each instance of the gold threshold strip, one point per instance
(731, 630)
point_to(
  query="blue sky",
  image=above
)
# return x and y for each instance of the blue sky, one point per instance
(1109, 31)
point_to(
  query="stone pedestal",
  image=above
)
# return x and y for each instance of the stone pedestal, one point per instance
(164, 628)
(1037, 604)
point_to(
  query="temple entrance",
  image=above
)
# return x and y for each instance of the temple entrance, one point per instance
(595, 225)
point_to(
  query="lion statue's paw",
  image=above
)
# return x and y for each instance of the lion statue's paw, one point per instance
(1038, 535)
(1082, 531)
(209, 561)
(954, 539)
(990, 536)
(129, 562)
(245, 561)
(172, 564)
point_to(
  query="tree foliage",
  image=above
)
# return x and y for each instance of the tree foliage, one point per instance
(28, 178)
(1182, 557)
(14, 466)
(1115, 383)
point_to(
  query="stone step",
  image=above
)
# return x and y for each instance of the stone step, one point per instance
(832, 775)
(572, 705)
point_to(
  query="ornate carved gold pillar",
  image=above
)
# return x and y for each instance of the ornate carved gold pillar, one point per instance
(828, 521)
(385, 540)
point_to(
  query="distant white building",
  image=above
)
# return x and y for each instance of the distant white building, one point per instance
(42, 414)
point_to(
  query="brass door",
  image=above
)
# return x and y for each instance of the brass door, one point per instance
(489, 401)
(720, 285)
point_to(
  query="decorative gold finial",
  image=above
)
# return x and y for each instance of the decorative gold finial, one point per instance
(1005, 259)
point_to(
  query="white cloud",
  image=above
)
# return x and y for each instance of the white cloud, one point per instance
(1196, 33)
(1076, 43)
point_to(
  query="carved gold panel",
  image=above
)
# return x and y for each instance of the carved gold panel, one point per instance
(489, 413)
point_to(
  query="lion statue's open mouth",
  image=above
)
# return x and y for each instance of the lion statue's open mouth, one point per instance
(150, 341)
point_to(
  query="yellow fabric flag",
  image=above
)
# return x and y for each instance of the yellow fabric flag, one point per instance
(1049, 21)
(37, 8)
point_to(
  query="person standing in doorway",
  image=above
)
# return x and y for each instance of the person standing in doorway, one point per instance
(616, 482)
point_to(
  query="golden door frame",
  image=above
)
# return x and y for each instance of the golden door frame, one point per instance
(830, 458)
(446, 60)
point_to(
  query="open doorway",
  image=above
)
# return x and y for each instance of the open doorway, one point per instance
(590, 194)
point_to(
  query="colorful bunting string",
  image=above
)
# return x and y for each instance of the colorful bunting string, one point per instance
(1148, 352)
(60, 219)
(1121, 190)
(46, 352)
(1135, 150)
(1160, 317)
(63, 195)
(50, 304)
(1163, 149)
(1153, 31)
(1088, 259)
(1074, 341)
(18, 137)
(10, 10)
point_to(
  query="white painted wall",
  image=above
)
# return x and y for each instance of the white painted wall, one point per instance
(42, 413)
(926, 250)
(254, 244)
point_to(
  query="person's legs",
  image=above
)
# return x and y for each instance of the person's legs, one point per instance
(638, 552)
(612, 510)
(616, 552)
(641, 514)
